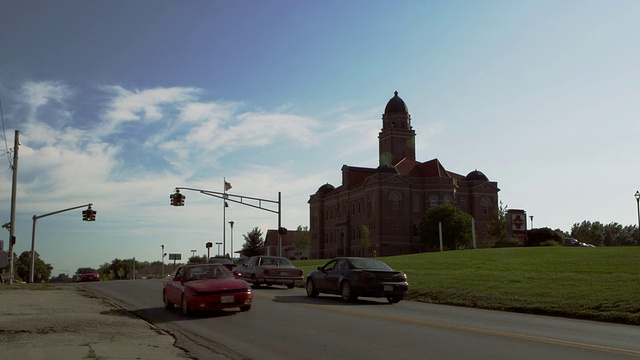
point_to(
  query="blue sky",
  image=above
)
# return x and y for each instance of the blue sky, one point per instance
(119, 102)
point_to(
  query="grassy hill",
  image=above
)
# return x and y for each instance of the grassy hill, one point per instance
(590, 283)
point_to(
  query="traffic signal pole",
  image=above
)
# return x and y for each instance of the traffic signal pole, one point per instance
(12, 227)
(33, 236)
(242, 200)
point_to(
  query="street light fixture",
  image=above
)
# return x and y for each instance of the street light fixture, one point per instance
(638, 205)
(193, 253)
(218, 243)
(231, 224)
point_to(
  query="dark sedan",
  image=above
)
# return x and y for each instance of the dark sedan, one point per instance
(351, 277)
(200, 287)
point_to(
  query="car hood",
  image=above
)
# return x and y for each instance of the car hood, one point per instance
(217, 284)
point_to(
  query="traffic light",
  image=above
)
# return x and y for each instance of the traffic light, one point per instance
(88, 215)
(177, 199)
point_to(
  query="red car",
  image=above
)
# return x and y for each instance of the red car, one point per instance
(86, 274)
(205, 287)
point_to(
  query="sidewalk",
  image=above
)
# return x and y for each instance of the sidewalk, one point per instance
(67, 323)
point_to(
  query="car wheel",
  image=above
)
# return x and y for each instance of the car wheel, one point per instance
(394, 299)
(167, 304)
(184, 307)
(245, 308)
(311, 288)
(347, 292)
(254, 280)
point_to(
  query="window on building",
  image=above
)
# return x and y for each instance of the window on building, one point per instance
(433, 201)
(416, 203)
(447, 199)
(486, 205)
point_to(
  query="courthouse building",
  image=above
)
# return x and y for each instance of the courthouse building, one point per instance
(379, 209)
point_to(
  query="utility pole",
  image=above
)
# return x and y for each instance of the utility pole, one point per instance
(12, 227)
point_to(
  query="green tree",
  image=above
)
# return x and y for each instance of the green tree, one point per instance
(589, 232)
(497, 228)
(41, 270)
(366, 237)
(303, 238)
(253, 243)
(456, 227)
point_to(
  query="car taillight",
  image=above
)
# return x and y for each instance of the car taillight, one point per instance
(402, 277)
(367, 276)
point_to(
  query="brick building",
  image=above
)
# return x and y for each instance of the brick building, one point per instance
(379, 209)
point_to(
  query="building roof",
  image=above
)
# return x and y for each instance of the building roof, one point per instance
(396, 105)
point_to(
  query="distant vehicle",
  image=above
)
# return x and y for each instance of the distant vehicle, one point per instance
(86, 274)
(205, 287)
(351, 277)
(269, 270)
(569, 241)
(222, 260)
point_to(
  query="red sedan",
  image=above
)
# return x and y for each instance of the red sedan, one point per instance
(86, 274)
(205, 287)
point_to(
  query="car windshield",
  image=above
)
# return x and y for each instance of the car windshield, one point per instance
(207, 272)
(276, 261)
(217, 260)
(86, 271)
(372, 264)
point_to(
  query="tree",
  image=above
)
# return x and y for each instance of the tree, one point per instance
(456, 227)
(366, 237)
(303, 238)
(588, 232)
(253, 243)
(497, 228)
(41, 271)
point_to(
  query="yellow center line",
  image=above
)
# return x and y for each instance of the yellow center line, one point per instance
(464, 328)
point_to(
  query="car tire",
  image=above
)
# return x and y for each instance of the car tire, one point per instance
(254, 281)
(184, 307)
(347, 292)
(245, 308)
(394, 299)
(311, 288)
(167, 304)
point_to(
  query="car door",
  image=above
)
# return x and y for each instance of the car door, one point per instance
(320, 279)
(247, 268)
(174, 291)
(335, 275)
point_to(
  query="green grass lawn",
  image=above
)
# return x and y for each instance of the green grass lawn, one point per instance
(589, 283)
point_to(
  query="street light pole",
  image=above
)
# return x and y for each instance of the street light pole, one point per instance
(638, 205)
(218, 243)
(162, 256)
(231, 224)
(193, 253)
(531, 217)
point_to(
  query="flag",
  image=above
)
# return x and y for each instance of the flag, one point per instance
(227, 186)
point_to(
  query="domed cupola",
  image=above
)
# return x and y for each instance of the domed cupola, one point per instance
(476, 175)
(396, 105)
(397, 137)
(325, 189)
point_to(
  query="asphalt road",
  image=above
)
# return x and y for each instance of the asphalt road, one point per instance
(287, 324)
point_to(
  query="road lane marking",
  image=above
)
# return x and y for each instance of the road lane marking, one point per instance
(464, 328)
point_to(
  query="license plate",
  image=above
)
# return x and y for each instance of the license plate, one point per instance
(284, 273)
(388, 288)
(226, 299)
